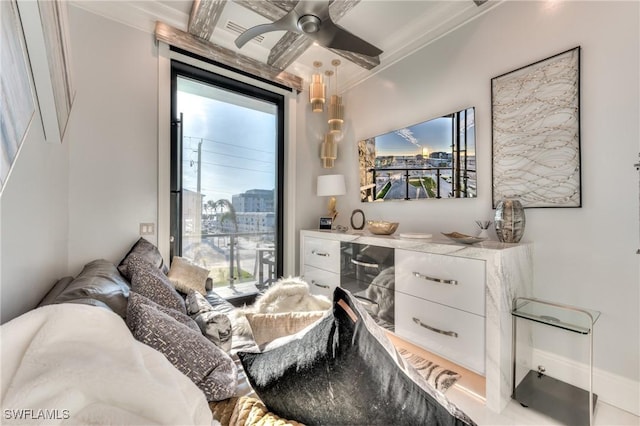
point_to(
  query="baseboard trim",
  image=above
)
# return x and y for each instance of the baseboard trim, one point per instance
(613, 389)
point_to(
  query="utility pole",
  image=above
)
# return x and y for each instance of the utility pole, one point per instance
(199, 165)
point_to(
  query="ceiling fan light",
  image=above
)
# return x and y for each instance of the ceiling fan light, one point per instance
(336, 114)
(309, 24)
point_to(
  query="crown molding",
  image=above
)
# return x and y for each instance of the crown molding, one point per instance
(141, 15)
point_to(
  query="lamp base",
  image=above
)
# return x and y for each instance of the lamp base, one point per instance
(331, 208)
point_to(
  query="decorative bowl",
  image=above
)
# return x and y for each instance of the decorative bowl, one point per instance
(381, 227)
(463, 238)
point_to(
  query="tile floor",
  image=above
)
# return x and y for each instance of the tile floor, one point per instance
(514, 414)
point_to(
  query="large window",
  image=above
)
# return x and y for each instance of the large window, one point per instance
(226, 178)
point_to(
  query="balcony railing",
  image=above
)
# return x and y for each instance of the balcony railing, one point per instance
(431, 180)
(234, 257)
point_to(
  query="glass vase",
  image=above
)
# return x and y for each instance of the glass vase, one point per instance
(510, 220)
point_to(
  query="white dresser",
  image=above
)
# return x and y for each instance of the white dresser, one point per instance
(440, 305)
(321, 264)
(451, 299)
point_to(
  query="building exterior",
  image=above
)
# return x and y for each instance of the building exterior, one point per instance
(254, 200)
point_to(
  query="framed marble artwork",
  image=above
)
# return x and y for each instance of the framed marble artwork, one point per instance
(536, 133)
(17, 104)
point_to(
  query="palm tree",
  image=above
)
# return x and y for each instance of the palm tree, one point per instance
(229, 214)
(211, 206)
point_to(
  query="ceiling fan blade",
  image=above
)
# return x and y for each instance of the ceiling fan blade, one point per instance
(252, 33)
(286, 23)
(334, 36)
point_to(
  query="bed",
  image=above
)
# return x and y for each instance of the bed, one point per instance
(141, 355)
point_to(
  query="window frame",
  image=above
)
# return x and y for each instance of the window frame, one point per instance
(180, 68)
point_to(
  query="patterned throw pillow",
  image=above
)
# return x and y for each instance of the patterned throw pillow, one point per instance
(215, 325)
(345, 370)
(135, 299)
(210, 368)
(147, 251)
(153, 284)
(269, 327)
(186, 276)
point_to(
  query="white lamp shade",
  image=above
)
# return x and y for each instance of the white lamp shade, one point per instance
(331, 185)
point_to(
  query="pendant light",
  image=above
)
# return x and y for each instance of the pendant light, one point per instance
(317, 89)
(336, 109)
(328, 151)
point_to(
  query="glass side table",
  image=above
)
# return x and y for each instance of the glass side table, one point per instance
(560, 400)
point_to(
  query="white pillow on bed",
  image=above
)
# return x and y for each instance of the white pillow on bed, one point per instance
(84, 360)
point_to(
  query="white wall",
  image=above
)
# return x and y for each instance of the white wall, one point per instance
(583, 256)
(33, 219)
(113, 138)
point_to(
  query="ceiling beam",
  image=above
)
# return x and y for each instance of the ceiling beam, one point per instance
(272, 9)
(292, 45)
(204, 17)
(214, 52)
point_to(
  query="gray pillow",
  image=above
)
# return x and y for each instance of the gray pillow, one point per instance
(345, 371)
(208, 366)
(147, 251)
(99, 284)
(153, 284)
(216, 326)
(135, 299)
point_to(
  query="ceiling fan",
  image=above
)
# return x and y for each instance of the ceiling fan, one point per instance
(311, 18)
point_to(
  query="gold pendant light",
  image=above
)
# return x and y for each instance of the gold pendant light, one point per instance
(336, 108)
(317, 90)
(328, 151)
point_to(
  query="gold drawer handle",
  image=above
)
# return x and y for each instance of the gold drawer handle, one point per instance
(319, 253)
(446, 333)
(434, 279)
(318, 284)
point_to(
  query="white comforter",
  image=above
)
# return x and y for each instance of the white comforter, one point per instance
(78, 364)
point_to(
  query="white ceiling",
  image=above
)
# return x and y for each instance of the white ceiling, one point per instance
(398, 27)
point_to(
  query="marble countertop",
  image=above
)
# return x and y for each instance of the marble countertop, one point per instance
(438, 244)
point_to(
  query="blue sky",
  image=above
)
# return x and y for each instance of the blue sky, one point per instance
(238, 148)
(422, 138)
(433, 135)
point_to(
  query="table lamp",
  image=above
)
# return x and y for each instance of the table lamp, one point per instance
(330, 186)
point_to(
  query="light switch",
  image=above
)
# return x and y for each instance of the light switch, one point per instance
(147, 229)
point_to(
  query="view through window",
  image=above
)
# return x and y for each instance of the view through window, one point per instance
(228, 154)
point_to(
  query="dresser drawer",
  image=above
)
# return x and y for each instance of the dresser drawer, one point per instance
(321, 281)
(454, 281)
(364, 262)
(321, 253)
(453, 334)
(378, 300)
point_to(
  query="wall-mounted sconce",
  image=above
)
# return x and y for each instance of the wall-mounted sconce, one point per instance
(317, 90)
